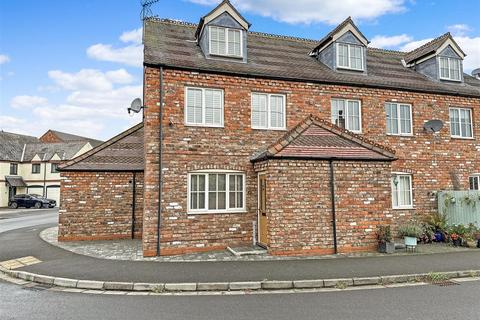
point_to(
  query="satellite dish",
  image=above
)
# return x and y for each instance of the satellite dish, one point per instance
(433, 125)
(136, 106)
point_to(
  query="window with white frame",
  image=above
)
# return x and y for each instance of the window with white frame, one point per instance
(474, 182)
(211, 192)
(225, 41)
(349, 56)
(204, 107)
(402, 191)
(399, 118)
(461, 123)
(347, 114)
(450, 68)
(268, 111)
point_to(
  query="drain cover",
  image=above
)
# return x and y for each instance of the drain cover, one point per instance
(444, 283)
(36, 287)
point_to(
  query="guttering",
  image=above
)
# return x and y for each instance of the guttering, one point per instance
(334, 214)
(160, 175)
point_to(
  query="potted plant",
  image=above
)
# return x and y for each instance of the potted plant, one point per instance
(410, 233)
(457, 234)
(438, 224)
(385, 240)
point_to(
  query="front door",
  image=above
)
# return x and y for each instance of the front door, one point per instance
(262, 210)
(12, 191)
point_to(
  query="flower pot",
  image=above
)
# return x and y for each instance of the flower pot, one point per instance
(457, 242)
(439, 237)
(386, 247)
(471, 243)
(410, 241)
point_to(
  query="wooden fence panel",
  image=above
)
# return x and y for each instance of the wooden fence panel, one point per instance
(461, 207)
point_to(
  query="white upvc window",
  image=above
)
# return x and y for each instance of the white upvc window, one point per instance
(347, 114)
(474, 182)
(450, 68)
(204, 107)
(402, 196)
(216, 192)
(225, 41)
(399, 118)
(268, 111)
(349, 56)
(461, 123)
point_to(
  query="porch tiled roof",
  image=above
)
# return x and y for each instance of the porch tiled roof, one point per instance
(123, 152)
(15, 181)
(315, 138)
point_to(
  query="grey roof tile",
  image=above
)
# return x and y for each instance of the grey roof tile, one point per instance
(65, 150)
(11, 145)
(172, 44)
(123, 152)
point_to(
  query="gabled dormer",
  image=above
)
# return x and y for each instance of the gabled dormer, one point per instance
(440, 59)
(343, 49)
(222, 33)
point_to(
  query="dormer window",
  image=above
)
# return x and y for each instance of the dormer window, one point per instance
(349, 56)
(450, 68)
(225, 42)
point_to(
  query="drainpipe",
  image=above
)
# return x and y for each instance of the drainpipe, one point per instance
(334, 216)
(134, 200)
(160, 176)
(45, 180)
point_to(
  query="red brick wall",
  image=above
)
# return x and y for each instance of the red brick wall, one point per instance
(97, 205)
(299, 209)
(50, 137)
(186, 148)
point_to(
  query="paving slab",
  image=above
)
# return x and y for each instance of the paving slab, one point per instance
(57, 262)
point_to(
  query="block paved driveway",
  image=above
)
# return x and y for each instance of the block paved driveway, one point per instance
(60, 263)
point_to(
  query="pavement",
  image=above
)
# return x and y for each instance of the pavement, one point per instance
(426, 302)
(57, 262)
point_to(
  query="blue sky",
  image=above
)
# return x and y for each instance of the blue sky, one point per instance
(75, 65)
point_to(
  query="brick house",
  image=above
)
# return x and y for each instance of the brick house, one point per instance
(303, 146)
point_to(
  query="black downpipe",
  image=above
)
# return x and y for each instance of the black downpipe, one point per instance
(134, 201)
(160, 178)
(334, 215)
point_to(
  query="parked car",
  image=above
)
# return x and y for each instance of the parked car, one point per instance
(31, 200)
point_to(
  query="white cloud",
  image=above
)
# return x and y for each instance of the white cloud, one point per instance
(4, 58)
(25, 101)
(313, 11)
(470, 45)
(131, 55)
(90, 79)
(389, 41)
(134, 36)
(414, 44)
(459, 29)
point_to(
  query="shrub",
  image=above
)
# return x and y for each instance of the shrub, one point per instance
(410, 230)
(384, 234)
(438, 221)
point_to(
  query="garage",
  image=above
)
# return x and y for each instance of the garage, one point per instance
(35, 190)
(53, 192)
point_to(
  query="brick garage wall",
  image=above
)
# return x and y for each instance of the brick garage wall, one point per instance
(50, 137)
(232, 146)
(97, 206)
(299, 209)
